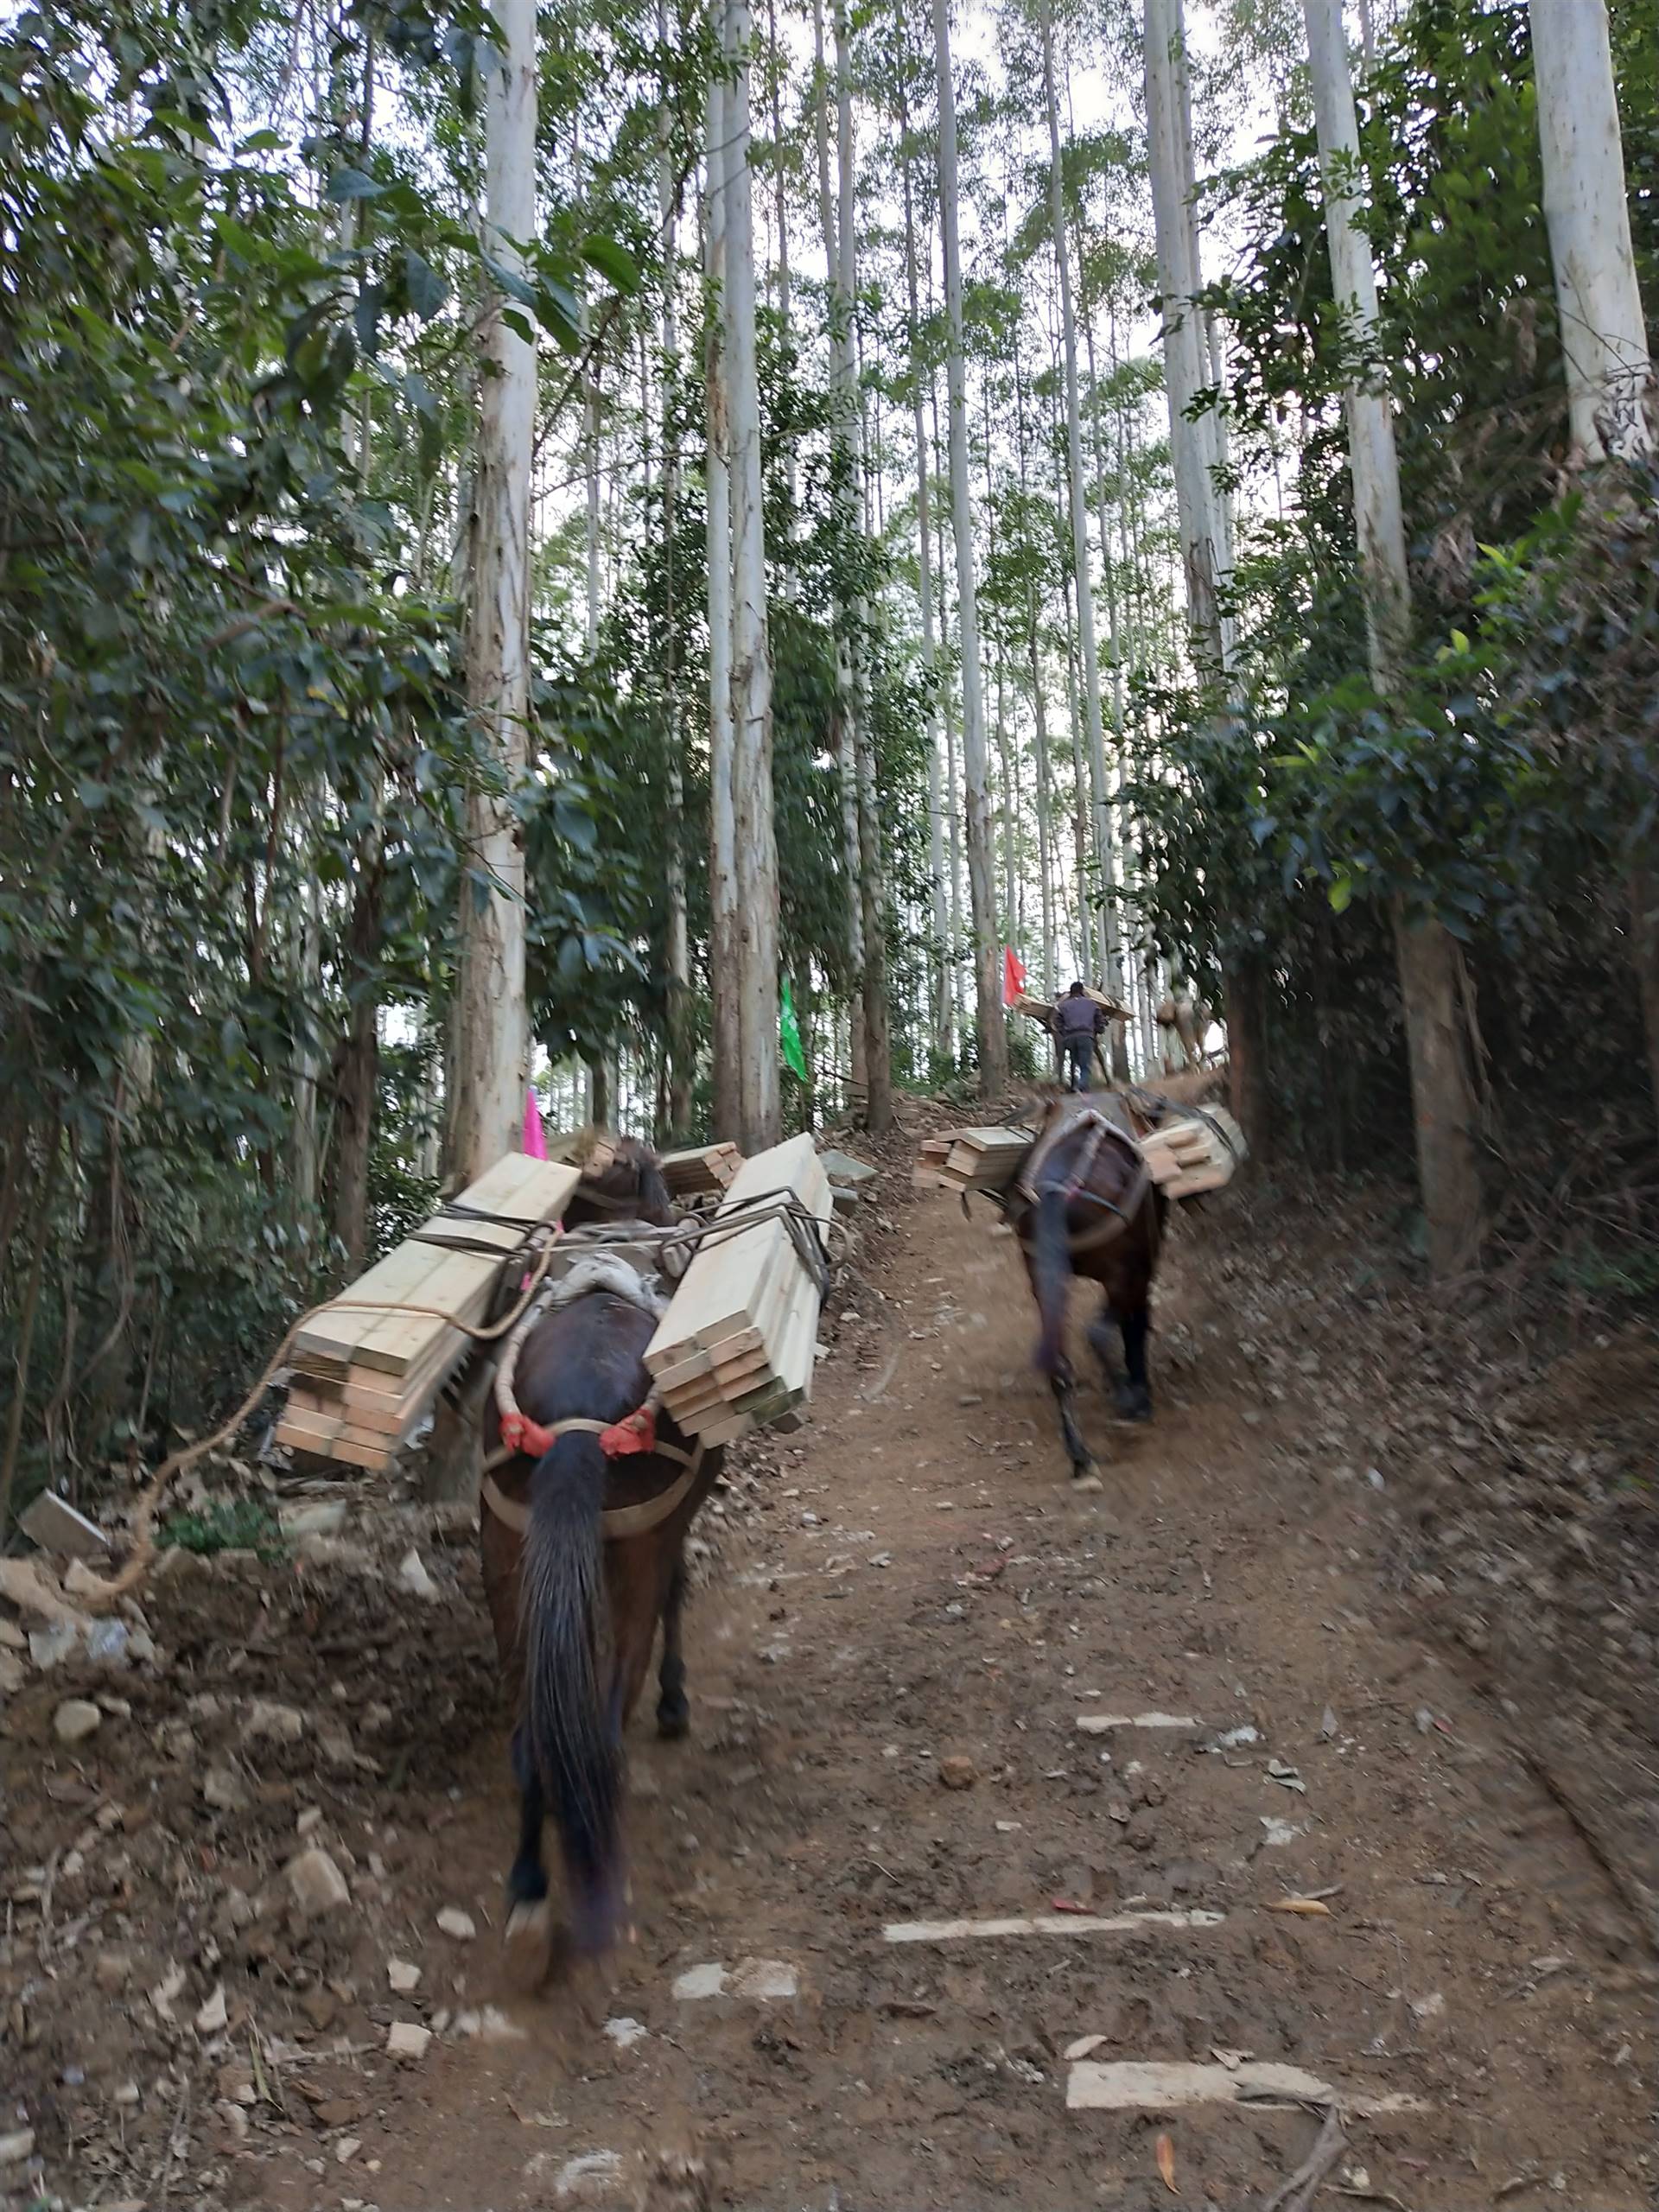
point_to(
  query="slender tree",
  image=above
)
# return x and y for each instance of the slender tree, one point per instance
(1433, 981)
(1077, 504)
(492, 1026)
(1588, 212)
(758, 1096)
(725, 981)
(990, 1028)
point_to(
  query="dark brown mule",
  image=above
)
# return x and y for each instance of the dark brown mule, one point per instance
(575, 1593)
(1084, 1205)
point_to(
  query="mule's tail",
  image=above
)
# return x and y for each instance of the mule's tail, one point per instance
(1051, 1274)
(574, 1743)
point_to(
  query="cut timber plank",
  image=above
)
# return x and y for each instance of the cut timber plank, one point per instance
(461, 1289)
(1047, 1924)
(1096, 1724)
(1149, 2085)
(720, 1292)
(521, 1189)
(334, 1334)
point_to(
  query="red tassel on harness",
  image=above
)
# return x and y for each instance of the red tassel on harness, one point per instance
(520, 1434)
(636, 1432)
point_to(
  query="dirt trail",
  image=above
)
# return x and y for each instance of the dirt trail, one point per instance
(930, 1593)
(922, 1602)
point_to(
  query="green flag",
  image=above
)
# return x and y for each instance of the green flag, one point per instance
(788, 1031)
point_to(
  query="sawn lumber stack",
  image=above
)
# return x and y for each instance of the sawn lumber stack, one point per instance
(978, 1159)
(703, 1169)
(1189, 1155)
(737, 1346)
(366, 1367)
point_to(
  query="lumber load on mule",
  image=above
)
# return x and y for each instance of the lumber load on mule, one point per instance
(1190, 1153)
(980, 1158)
(738, 1343)
(367, 1366)
(700, 1171)
(1188, 1150)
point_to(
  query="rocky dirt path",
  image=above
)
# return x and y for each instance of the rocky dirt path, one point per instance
(901, 1703)
(923, 1685)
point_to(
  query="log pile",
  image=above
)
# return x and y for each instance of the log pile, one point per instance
(1189, 1155)
(366, 1368)
(737, 1346)
(704, 1170)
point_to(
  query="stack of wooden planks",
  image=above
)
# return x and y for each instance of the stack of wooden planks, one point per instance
(1190, 1154)
(365, 1367)
(737, 1346)
(977, 1159)
(704, 1170)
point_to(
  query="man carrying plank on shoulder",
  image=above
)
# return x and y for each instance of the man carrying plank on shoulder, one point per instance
(1078, 1019)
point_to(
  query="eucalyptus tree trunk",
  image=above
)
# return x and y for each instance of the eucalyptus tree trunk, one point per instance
(758, 1097)
(780, 216)
(493, 1031)
(1586, 209)
(991, 1030)
(953, 807)
(1078, 500)
(845, 491)
(1039, 705)
(681, 1049)
(943, 1039)
(1433, 981)
(878, 1046)
(725, 982)
(1186, 368)
(1081, 808)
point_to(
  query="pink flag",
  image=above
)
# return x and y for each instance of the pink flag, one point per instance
(535, 1142)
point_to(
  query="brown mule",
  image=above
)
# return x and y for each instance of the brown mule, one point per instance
(583, 1554)
(1084, 1205)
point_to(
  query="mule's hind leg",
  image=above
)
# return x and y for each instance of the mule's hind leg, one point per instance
(673, 1713)
(1134, 1393)
(1063, 1384)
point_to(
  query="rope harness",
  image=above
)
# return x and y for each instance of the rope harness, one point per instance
(636, 1432)
(1118, 1213)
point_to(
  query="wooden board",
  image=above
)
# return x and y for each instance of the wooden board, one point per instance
(738, 1338)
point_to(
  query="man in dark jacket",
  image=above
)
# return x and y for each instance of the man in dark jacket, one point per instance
(1077, 1022)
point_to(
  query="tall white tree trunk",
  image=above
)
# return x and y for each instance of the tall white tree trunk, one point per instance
(941, 918)
(1431, 982)
(990, 1028)
(758, 1102)
(1078, 498)
(1186, 368)
(680, 1032)
(1586, 208)
(870, 889)
(725, 979)
(842, 397)
(493, 1023)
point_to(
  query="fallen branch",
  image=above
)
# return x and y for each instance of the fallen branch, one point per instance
(1297, 2193)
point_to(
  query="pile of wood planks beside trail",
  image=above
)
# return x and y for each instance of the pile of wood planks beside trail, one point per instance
(737, 1346)
(1189, 1155)
(976, 1159)
(366, 1368)
(702, 1170)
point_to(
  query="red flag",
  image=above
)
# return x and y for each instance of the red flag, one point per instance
(1014, 975)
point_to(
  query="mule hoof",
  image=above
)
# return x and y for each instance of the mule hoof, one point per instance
(1133, 1406)
(1085, 1483)
(529, 1921)
(527, 1944)
(673, 1723)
